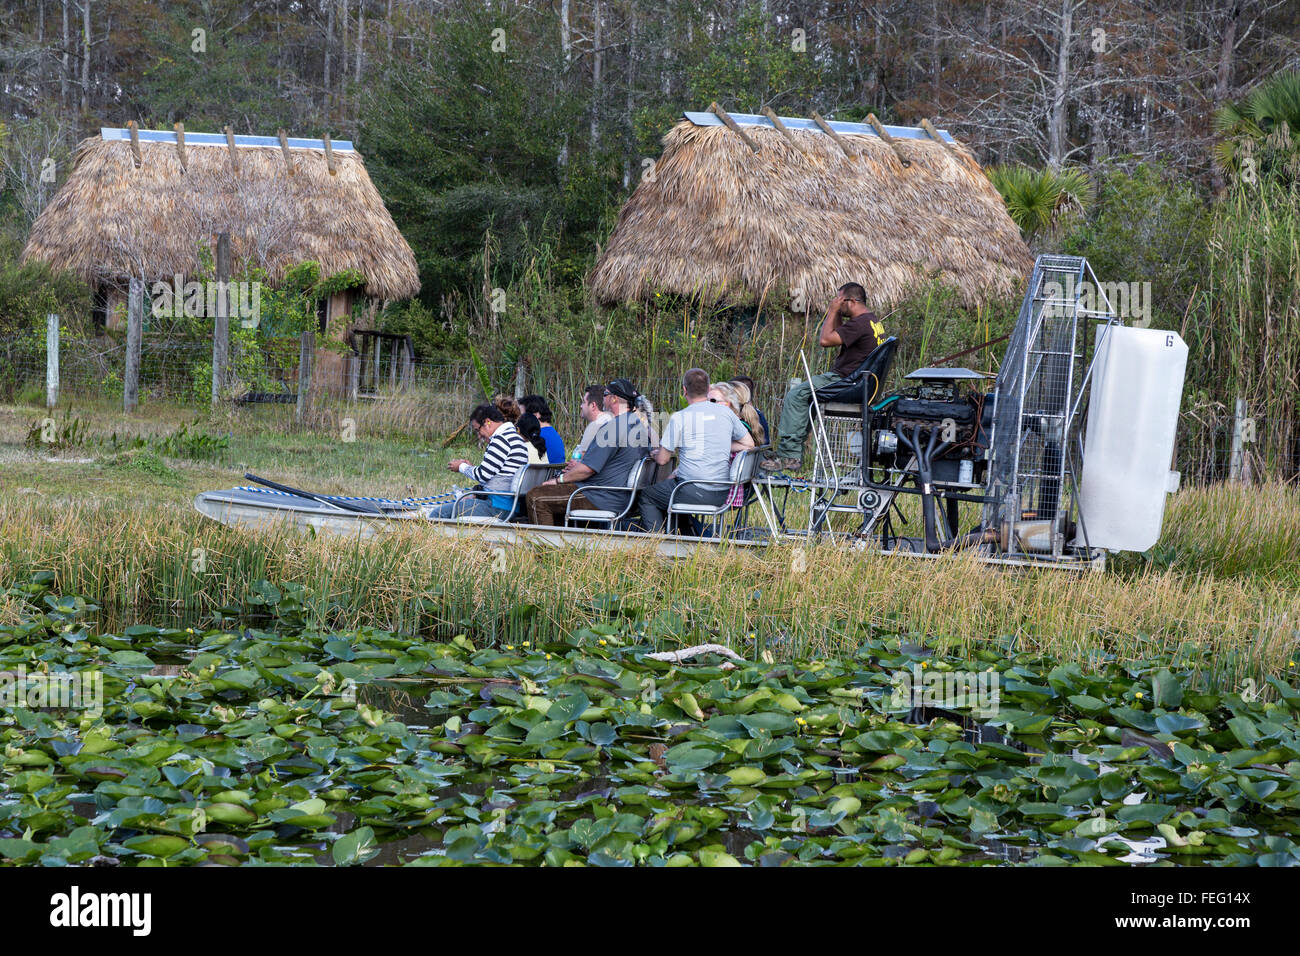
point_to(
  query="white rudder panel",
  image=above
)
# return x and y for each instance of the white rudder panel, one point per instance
(1137, 388)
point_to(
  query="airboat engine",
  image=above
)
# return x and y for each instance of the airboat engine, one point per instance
(937, 429)
(1018, 449)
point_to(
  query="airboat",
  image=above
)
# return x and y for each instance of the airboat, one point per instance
(1064, 456)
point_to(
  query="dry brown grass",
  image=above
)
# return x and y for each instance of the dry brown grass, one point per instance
(789, 599)
(280, 220)
(724, 223)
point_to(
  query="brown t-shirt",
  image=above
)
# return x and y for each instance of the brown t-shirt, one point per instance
(860, 336)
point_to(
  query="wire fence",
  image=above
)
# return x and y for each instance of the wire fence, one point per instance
(432, 399)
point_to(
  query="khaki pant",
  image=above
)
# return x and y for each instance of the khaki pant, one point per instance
(546, 504)
(794, 415)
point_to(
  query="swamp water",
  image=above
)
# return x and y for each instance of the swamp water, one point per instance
(283, 744)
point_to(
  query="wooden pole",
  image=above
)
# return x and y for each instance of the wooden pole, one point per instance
(354, 375)
(935, 135)
(51, 360)
(306, 358)
(134, 329)
(884, 134)
(135, 143)
(521, 378)
(180, 146)
(826, 128)
(1234, 464)
(221, 321)
(329, 155)
(288, 157)
(732, 125)
(234, 155)
(784, 130)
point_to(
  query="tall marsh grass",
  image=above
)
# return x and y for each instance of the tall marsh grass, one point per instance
(165, 561)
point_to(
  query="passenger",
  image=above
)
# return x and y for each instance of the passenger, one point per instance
(622, 394)
(510, 408)
(593, 413)
(745, 388)
(857, 331)
(704, 434)
(505, 454)
(737, 399)
(621, 441)
(531, 429)
(729, 394)
(536, 405)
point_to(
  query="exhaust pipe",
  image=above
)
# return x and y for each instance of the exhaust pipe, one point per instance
(925, 471)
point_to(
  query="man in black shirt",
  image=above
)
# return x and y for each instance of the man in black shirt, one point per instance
(857, 331)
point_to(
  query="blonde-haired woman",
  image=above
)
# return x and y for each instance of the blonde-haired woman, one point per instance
(737, 398)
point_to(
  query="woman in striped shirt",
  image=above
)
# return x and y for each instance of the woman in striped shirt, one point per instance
(505, 454)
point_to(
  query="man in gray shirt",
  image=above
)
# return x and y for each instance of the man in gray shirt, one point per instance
(704, 434)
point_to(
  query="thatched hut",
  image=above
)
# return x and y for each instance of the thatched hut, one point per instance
(809, 210)
(148, 204)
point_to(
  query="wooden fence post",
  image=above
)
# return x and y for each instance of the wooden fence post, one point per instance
(51, 360)
(1234, 463)
(354, 375)
(408, 362)
(521, 378)
(306, 358)
(134, 330)
(221, 321)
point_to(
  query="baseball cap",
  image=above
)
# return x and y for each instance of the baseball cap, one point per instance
(624, 389)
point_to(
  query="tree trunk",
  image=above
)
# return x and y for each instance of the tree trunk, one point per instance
(67, 43)
(596, 63)
(85, 56)
(342, 99)
(629, 102)
(1004, 148)
(566, 36)
(361, 39)
(329, 38)
(1223, 80)
(1059, 114)
(566, 44)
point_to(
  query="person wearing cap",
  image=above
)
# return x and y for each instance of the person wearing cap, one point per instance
(621, 397)
(616, 448)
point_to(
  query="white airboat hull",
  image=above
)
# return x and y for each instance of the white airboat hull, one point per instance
(255, 510)
(234, 509)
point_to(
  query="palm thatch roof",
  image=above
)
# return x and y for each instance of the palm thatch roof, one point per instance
(721, 222)
(112, 219)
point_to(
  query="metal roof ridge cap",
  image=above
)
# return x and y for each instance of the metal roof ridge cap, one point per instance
(118, 134)
(808, 125)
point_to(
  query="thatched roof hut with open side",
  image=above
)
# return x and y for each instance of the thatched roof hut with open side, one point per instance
(809, 210)
(146, 205)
